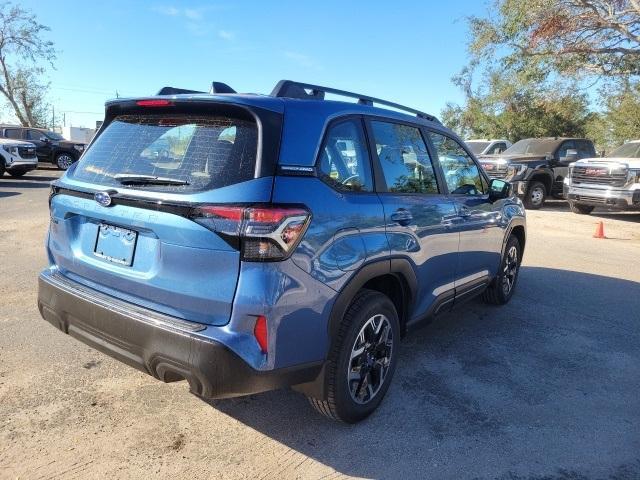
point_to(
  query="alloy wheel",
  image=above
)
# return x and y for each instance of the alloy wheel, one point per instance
(370, 359)
(510, 270)
(64, 161)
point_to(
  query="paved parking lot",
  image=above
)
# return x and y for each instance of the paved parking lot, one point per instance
(547, 387)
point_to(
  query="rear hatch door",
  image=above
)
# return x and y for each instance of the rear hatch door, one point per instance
(120, 218)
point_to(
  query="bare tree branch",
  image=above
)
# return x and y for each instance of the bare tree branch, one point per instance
(23, 51)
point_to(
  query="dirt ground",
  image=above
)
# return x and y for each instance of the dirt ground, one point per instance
(547, 387)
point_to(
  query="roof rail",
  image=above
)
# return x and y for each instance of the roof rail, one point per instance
(307, 91)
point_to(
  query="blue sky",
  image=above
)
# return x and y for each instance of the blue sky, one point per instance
(401, 51)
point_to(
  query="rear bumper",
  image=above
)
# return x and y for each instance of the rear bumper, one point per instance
(608, 198)
(167, 348)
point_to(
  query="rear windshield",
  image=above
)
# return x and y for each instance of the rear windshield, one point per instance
(192, 152)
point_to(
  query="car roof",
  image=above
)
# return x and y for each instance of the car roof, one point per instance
(281, 104)
(304, 107)
(21, 126)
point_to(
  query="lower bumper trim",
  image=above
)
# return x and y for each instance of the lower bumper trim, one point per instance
(165, 350)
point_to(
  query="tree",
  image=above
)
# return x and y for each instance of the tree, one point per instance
(536, 56)
(22, 55)
(569, 37)
(620, 119)
(515, 106)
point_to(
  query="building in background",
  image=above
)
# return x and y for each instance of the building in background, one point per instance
(77, 134)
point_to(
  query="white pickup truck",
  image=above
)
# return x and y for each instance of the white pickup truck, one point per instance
(610, 182)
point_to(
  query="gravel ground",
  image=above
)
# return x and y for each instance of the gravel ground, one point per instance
(547, 387)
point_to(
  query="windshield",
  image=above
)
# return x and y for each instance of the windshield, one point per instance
(533, 146)
(187, 152)
(54, 136)
(628, 150)
(477, 147)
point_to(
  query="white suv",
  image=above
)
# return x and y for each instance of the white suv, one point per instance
(17, 157)
(611, 182)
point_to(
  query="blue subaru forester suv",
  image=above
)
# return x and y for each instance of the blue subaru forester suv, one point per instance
(248, 242)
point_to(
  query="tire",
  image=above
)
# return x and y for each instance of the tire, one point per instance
(498, 293)
(351, 401)
(18, 173)
(1, 167)
(580, 208)
(536, 195)
(64, 160)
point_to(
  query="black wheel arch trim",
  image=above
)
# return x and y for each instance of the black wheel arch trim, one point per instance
(544, 175)
(402, 268)
(514, 223)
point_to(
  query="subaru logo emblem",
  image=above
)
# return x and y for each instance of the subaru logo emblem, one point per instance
(103, 198)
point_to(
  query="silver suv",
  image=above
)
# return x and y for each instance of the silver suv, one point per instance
(612, 182)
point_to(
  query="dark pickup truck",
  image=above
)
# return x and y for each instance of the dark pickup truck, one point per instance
(536, 167)
(51, 147)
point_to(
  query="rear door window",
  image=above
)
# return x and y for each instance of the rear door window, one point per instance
(404, 158)
(196, 152)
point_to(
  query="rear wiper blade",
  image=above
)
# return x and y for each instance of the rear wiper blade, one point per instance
(132, 178)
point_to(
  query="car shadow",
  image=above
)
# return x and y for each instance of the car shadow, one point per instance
(633, 217)
(556, 205)
(27, 182)
(546, 385)
(8, 194)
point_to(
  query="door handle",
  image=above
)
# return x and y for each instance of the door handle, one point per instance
(402, 216)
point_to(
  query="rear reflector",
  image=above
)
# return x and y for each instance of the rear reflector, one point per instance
(154, 103)
(260, 332)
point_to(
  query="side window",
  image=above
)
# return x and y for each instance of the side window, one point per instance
(570, 145)
(344, 158)
(33, 135)
(13, 133)
(497, 148)
(460, 171)
(585, 149)
(404, 158)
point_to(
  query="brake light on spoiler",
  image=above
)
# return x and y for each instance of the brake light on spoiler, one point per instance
(154, 103)
(265, 233)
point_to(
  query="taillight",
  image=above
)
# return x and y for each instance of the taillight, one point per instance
(265, 233)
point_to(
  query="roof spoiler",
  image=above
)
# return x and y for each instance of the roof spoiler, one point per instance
(216, 87)
(307, 91)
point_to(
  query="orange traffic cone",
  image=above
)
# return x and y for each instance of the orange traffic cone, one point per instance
(599, 231)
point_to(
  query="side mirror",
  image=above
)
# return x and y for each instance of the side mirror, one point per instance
(499, 189)
(570, 156)
(44, 139)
